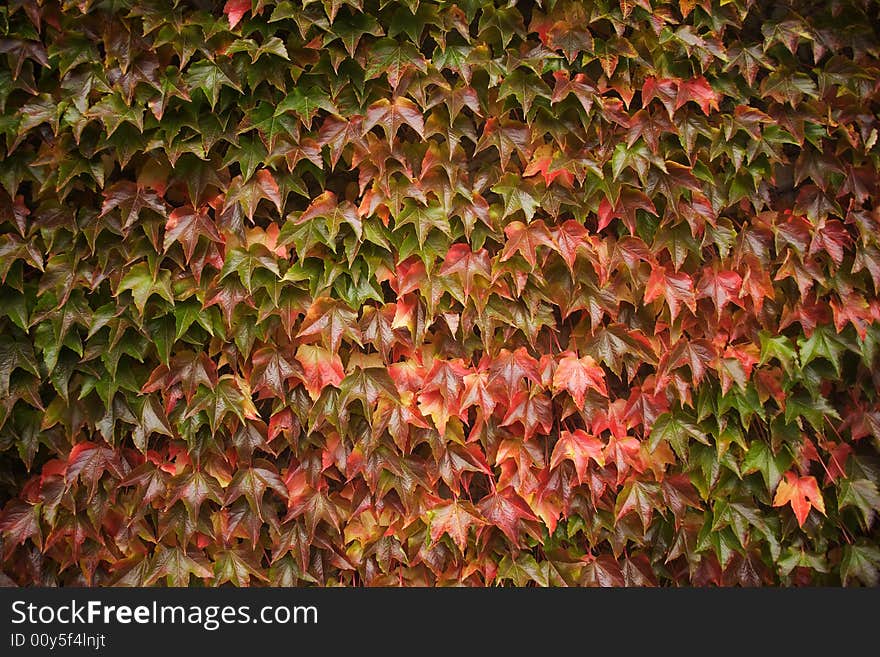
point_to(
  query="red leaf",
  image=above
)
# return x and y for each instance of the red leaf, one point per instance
(675, 288)
(565, 85)
(469, 265)
(235, 10)
(477, 393)
(831, 237)
(546, 501)
(509, 370)
(280, 422)
(722, 287)
(678, 494)
(625, 454)
(131, 199)
(695, 354)
(605, 214)
(578, 447)
(611, 419)
(273, 368)
(90, 461)
(639, 496)
(268, 188)
(543, 163)
(698, 90)
(188, 368)
(334, 213)
(457, 460)
(375, 326)
(852, 308)
(568, 238)
(455, 519)
(629, 202)
(21, 521)
(433, 404)
(446, 377)
(756, 284)
(338, 133)
(837, 458)
(399, 417)
(508, 136)
(665, 89)
(321, 368)
(576, 375)
(409, 276)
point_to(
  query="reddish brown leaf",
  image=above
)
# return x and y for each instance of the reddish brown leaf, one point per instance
(455, 518)
(675, 288)
(507, 511)
(329, 321)
(525, 239)
(392, 114)
(186, 225)
(534, 413)
(468, 265)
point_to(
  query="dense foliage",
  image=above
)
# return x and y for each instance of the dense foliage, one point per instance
(395, 292)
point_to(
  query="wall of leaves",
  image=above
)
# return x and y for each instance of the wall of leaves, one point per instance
(378, 292)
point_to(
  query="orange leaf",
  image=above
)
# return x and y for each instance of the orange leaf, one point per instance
(802, 493)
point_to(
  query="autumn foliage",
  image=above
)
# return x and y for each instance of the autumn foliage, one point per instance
(379, 292)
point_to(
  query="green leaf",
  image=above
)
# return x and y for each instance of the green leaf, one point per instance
(15, 355)
(862, 494)
(862, 562)
(424, 219)
(676, 429)
(824, 343)
(144, 284)
(517, 197)
(640, 497)
(230, 395)
(525, 87)
(250, 154)
(237, 566)
(388, 57)
(113, 112)
(305, 103)
(210, 78)
(816, 410)
(779, 347)
(187, 312)
(522, 570)
(245, 262)
(760, 458)
(796, 556)
(176, 565)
